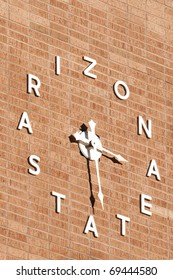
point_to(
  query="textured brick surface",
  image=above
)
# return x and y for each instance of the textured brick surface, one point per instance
(131, 41)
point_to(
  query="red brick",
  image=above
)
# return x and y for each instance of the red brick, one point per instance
(131, 41)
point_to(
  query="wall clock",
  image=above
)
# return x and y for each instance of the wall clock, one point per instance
(92, 148)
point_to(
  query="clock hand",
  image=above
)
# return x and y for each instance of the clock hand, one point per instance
(117, 157)
(100, 194)
(87, 142)
(92, 125)
(91, 147)
(79, 137)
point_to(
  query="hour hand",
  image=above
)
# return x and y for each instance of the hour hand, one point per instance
(119, 158)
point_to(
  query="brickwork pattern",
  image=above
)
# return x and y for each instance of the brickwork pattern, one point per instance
(131, 40)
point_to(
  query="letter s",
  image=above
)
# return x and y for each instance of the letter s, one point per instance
(32, 161)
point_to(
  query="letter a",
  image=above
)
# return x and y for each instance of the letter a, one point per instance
(153, 170)
(24, 122)
(91, 226)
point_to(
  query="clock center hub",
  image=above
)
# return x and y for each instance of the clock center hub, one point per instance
(91, 151)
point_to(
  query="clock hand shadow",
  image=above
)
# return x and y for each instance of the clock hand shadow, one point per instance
(92, 198)
(114, 160)
(72, 138)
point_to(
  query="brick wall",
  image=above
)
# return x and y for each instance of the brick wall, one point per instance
(131, 40)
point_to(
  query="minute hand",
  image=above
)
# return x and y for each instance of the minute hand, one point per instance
(100, 194)
(117, 157)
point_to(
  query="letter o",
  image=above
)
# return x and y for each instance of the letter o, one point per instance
(123, 84)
